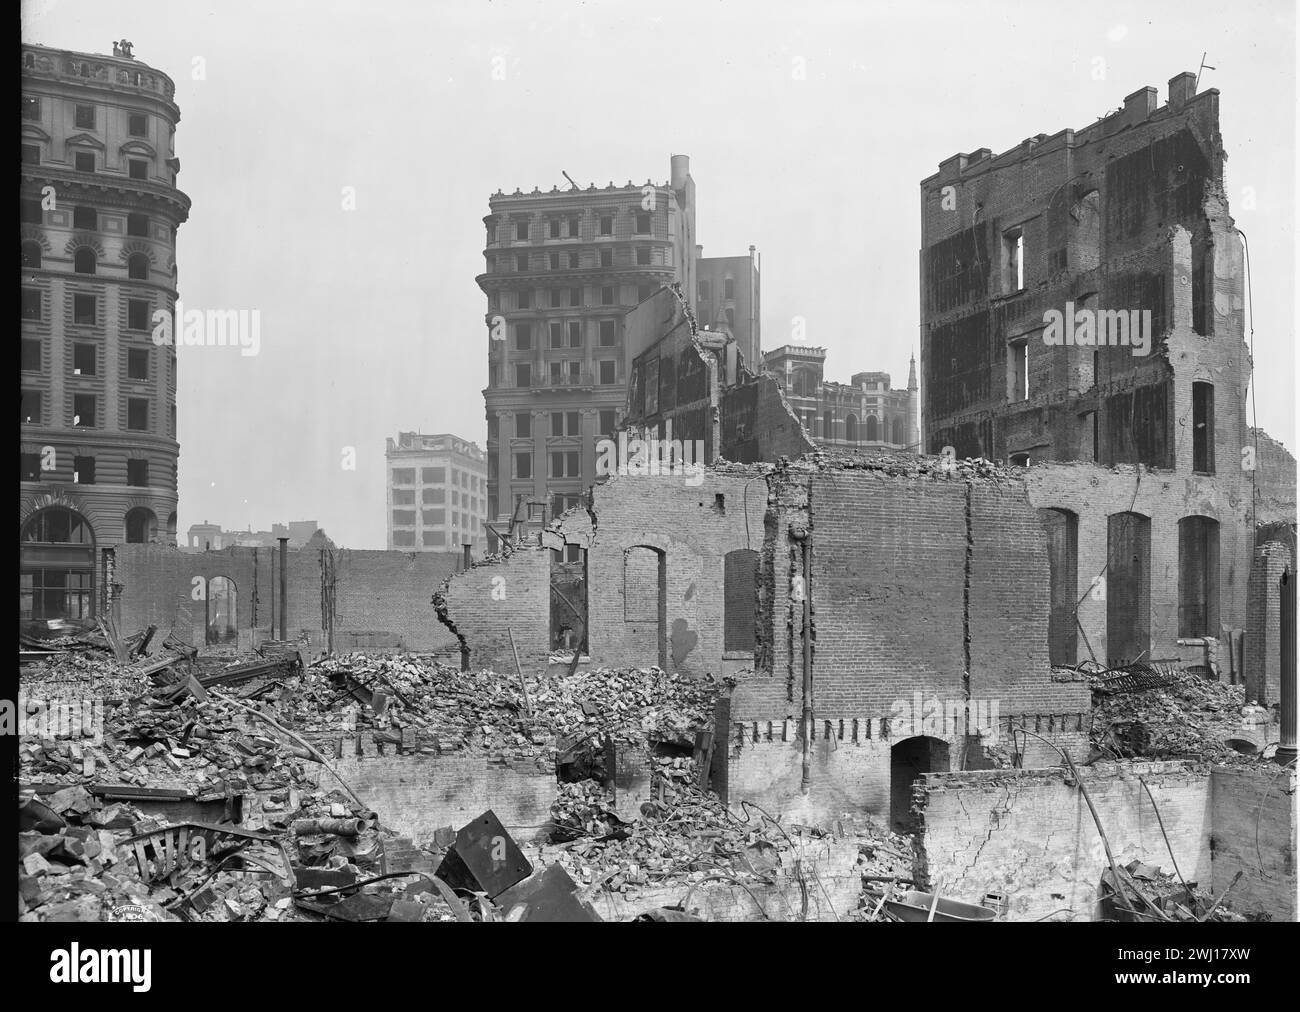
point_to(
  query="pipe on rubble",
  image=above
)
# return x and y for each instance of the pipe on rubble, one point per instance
(337, 827)
(800, 535)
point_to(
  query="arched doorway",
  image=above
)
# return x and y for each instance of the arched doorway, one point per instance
(222, 602)
(56, 576)
(907, 761)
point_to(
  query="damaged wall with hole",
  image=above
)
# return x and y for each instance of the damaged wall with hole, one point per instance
(1029, 834)
(1128, 214)
(690, 384)
(367, 600)
(672, 570)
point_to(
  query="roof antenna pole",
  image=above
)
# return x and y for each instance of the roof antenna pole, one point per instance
(1203, 66)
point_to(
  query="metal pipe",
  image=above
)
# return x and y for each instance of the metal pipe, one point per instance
(337, 827)
(800, 535)
(284, 588)
(1286, 750)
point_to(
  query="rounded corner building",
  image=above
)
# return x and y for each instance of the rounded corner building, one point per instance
(99, 214)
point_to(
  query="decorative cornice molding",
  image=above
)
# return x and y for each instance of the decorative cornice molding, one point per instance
(84, 140)
(137, 147)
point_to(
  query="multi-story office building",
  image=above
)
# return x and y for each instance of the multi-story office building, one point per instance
(99, 214)
(437, 493)
(562, 268)
(863, 413)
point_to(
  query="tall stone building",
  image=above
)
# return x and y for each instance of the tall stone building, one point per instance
(864, 413)
(99, 214)
(1083, 301)
(562, 269)
(437, 493)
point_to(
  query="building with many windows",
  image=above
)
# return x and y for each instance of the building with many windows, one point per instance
(99, 212)
(562, 269)
(864, 413)
(1083, 305)
(437, 493)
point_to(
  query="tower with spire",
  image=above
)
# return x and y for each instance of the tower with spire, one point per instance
(913, 408)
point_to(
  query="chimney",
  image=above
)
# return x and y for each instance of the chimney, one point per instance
(1182, 89)
(1140, 105)
(681, 169)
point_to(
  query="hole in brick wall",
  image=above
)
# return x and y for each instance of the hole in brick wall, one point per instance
(720, 503)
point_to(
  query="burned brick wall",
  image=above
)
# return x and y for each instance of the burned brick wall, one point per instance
(364, 599)
(501, 606)
(671, 569)
(758, 425)
(929, 606)
(1082, 221)
(1091, 498)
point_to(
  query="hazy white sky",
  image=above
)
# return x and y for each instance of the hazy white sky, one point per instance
(371, 321)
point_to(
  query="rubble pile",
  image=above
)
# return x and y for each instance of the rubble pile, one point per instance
(1148, 894)
(1188, 717)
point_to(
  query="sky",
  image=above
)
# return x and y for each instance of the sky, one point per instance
(809, 127)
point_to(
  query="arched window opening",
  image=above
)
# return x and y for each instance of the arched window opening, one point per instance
(1062, 529)
(31, 254)
(873, 429)
(141, 526)
(137, 267)
(83, 261)
(1127, 588)
(851, 428)
(222, 602)
(56, 579)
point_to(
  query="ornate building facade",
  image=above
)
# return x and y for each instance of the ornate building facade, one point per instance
(864, 413)
(99, 213)
(561, 270)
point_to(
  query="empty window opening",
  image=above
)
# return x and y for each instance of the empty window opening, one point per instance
(1013, 260)
(1018, 370)
(1203, 428)
(1198, 577)
(1062, 529)
(1127, 588)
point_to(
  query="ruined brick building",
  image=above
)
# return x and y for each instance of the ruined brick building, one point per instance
(1083, 301)
(922, 645)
